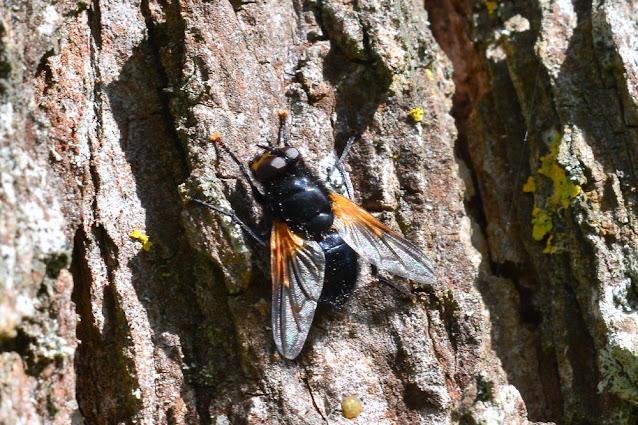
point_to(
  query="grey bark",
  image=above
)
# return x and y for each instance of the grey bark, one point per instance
(106, 111)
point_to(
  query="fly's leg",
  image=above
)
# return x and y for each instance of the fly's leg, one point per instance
(346, 150)
(342, 171)
(255, 190)
(389, 282)
(233, 217)
(340, 168)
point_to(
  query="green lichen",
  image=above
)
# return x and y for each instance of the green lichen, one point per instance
(619, 371)
(564, 191)
(542, 221)
(530, 185)
(491, 6)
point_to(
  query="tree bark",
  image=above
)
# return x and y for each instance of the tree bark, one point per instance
(519, 183)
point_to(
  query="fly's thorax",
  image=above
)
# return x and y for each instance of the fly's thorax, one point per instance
(302, 202)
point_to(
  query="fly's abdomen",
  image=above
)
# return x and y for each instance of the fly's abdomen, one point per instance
(341, 269)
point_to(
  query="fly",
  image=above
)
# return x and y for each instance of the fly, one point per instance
(315, 239)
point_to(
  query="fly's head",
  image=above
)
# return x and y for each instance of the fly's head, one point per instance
(274, 163)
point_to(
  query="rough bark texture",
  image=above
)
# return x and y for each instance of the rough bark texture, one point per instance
(106, 110)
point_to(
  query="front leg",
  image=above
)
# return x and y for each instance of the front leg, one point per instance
(259, 196)
(233, 217)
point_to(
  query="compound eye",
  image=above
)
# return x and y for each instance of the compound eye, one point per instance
(291, 153)
(270, 167)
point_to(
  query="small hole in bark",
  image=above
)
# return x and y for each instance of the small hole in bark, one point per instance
(415, 398)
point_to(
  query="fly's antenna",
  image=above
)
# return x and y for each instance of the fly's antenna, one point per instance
(268, 147)
(283, 131)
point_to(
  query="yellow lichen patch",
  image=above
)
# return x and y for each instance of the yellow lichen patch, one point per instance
(548, 245)
(351, 407)
(555, 243)
(417, 114)
(542, 222)
(491, 6)
(563, 193)
(428, 72)
(564, 189)
(146, 244)
(530, 185)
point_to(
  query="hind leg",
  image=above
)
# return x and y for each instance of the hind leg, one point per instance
(389, 282)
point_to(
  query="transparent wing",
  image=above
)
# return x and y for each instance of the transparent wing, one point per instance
(297, 269)
(379, 244)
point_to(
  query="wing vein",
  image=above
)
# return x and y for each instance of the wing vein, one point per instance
(379, 244)
(297, 268)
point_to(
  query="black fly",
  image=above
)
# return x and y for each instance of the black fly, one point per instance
(315, 239)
